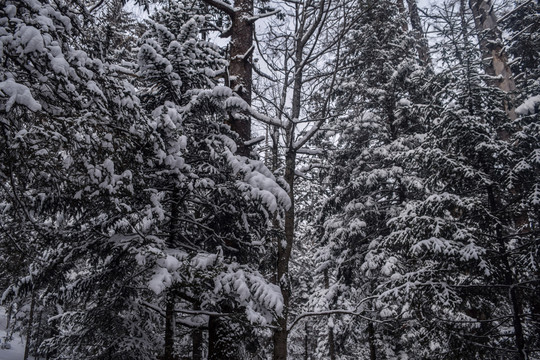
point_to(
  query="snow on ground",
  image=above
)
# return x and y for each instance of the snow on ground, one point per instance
(16, 352)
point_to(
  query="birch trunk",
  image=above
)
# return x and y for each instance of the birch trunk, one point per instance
(494, 56)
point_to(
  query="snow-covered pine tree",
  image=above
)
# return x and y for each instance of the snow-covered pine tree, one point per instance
(216, 190)
(523, 25)
(456, 255)
(71, 133)
(118, 197)
(382, 102)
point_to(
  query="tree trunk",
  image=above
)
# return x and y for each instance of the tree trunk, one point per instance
(240, 68)
(306, 341)
(197, 340)
(29, 327)
(494, 56)
(422, 44)
(240, 63)
(39, 333)
(169, 328)
(172, 239)
(197, 344)
(331, 343)
(8, 320)
(212, 338)
(371, 339)
(285, 247)
(284, 255)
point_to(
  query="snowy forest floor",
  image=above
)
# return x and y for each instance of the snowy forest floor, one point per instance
(16, 352)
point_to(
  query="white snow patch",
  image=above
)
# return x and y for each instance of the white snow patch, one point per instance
(18, 94)
(529, 106)
(16, 344)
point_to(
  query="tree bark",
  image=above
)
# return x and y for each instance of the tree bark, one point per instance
(240, 68)
(197, 340)
(197, 344)
(29, 327)
(284, 255)
(169, 328)
(8, 320)
(422, 44)
(240, 63)
(306, 341)
(331, 342)
(494, 56)
(371, 338)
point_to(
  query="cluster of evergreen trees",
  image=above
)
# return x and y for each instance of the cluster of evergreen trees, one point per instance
(391, 211)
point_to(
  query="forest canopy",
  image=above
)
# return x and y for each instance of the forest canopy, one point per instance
(250, 179)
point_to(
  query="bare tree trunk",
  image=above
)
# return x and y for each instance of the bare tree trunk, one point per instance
(29, 327)
(494, 55)
(285, 247)
(213, 353)
(422, 44)
(284, 255)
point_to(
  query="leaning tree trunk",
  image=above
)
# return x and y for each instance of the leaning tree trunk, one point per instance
(494, 55)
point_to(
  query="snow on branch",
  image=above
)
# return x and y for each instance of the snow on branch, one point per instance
(202, 312)
(338, 311)
(516, 9)
(246, 55)
(312, 131)
(220, 5)
(262, 16)
(332, 312)
(254, 141)
(238, 102)
(306, 151)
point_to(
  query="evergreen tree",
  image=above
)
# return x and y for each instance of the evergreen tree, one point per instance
(370, 182)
